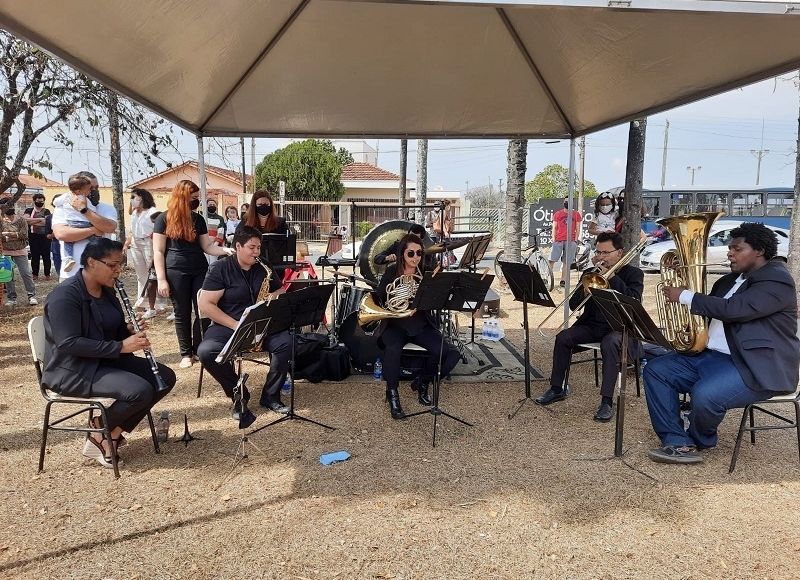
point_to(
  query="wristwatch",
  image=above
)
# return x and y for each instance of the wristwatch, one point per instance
(84, 210)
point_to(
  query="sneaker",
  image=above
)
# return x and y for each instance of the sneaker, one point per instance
(11, 302)
(69, 264)
(35, 276)
(149, 313)
(32, 301)
(186, 362)
(677, 455)
(171, 316)
(47, 278)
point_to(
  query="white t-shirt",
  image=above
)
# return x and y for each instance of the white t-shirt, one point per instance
(141, 224)
(59, 218)
(606, 222)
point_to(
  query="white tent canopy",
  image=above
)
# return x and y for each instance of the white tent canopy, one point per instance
(390, 68)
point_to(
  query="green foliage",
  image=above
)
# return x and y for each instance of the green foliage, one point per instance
(553, 182)
(312, 170)
(363, 228)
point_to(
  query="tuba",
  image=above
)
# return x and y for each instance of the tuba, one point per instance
(399, 296)
(685, 266)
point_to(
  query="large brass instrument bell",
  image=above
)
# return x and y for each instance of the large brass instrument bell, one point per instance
(685, 266)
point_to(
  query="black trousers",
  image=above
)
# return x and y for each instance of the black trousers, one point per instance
(183, 289)
(610, 343)
(278, 345)
(131, 383)
(395, 338)
(40, 249)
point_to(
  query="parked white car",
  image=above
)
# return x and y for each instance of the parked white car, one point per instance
(717, 252)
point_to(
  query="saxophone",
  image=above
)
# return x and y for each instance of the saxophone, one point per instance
(263, 292)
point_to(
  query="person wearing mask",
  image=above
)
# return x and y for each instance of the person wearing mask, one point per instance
(605, 214)
(216, 226)
(103, 219)
(243, 210)
(564, 246)
(180, 242)
(89, 349)
(433, 222)
(262, 215)
(140, 243)
(37, 236)
(15, 240)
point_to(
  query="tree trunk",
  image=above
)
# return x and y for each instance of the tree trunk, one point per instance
(115, 156)
(634, 176)
(422, 180)
(515, 197)
(794, 238)
(403, 178)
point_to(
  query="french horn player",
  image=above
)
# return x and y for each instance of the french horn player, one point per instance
(402, 325)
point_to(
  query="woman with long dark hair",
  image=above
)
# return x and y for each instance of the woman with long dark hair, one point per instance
(263, 215)
(89, 348)
(180, 242)
(140, 242)
(396, 292)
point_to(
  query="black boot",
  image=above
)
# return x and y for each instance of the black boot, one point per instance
(393, 398)
(421, 386)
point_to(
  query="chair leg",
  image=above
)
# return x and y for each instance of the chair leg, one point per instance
(738, 445)
(107, 435)
(45, 429)
(596, 369)
(797, 423)
(638, 370)
(566, 374)
(200, 381)
(153, 432)
(752, 424)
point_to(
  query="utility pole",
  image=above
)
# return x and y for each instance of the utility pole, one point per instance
(664, 158)
(253, 161)
(760, 154)
(693, 170)
(422, 180)
(582, 160)
(244, 167)
(500, 185)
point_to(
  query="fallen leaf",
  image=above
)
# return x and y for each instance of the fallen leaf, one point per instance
(225, 497)
(492, 514)
(136, 506)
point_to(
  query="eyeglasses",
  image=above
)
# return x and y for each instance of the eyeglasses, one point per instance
(602, 253)
(112, 265)
(412, 253)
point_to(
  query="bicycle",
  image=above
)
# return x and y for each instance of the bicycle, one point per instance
(535, 257)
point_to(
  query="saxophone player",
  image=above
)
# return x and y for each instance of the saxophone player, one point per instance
(230, 286)
(396, 292)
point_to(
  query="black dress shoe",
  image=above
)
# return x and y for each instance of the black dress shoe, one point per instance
(276, 406)
(550, 396)
(604, 413)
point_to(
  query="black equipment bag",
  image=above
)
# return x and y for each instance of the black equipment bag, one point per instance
(308, 356)
(335, 363)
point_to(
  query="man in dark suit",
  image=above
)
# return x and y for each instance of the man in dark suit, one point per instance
(592, 326)
(753, 352)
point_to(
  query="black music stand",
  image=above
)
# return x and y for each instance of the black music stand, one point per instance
(459, 291)
(627, 316)
(280, 250)
(527, 286)
(474, 252)
(299, 308)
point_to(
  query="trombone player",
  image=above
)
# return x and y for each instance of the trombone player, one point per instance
(752, 351)
(592, 326)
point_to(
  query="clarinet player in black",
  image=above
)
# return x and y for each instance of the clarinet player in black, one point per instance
(89, 349)
(396, 292)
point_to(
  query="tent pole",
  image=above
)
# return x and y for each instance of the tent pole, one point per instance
(201, 165)
(570, 193)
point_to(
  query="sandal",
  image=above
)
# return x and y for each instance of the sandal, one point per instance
(94, 423)
(94, 450)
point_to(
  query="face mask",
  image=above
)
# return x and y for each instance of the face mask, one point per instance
(212, 209)
(194, 204)
(38, 203)
(605, 209)
(263, 210)
(136, 202)
(10, 211)
(94, 196)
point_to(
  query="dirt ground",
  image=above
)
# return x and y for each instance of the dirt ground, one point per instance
(537, 496)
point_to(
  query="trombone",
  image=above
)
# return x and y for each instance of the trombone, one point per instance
(592, 279)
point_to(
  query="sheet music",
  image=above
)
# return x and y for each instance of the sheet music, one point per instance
(257, 338)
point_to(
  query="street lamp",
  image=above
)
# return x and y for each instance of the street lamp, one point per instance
(693, 170)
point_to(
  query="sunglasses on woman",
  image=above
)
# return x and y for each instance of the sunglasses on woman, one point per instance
(412, 253)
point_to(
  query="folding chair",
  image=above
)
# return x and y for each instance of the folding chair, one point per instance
(594, 348)
(83, 405)
(784, 422)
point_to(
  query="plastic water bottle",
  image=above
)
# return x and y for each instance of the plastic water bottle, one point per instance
(162, 428)
(287, 384)
(485, 330)
(493, 332)
(641, 366)
(377, 369)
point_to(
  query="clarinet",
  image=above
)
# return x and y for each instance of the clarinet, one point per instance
(160, 384)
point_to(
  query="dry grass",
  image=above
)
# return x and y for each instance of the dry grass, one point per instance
(539, 496)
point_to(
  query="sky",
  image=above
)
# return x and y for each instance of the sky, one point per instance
(719, 137)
